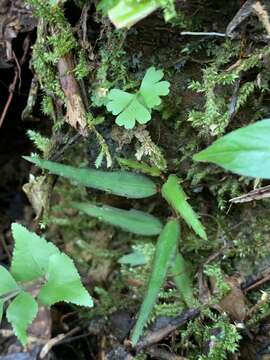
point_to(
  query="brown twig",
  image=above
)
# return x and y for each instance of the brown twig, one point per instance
(155, 336)
(158, 353)
(11, 90)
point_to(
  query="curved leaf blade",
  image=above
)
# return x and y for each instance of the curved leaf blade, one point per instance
(64, 283)
(165, 250)
(245, 151)
(20, 313)
(182, 279)
(122, 183)
(134, 221)
(30, 255)
(174, 194)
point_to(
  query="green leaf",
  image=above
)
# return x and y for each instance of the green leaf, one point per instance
(182, 279)
(30, 255)
(140, 166)
(121, 183)
(245, 151)
(137, 107)
(7, 284)
(172, 191)
(134, 221)
(127, 13)
(20, 313)
(152, 88)
(128, 108)
(135, 258)
(165, 250)
(64, 283)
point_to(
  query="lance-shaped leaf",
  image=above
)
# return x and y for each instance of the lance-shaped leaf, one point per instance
(134, 221)
(140, 166)
(182, 279)
(172, 191)
(120, 183)
(165, 250)
(20, 313)
(30, 255)
(245, 151)
(64, 283)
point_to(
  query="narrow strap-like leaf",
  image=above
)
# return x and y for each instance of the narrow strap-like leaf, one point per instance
(181, 277)
(20, 313)
(134, 221)
(172, 191)
(165, 250)
(120, 183)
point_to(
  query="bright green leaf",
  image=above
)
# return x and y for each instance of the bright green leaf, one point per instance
(121, 183)
(137, 107)
(127, 13)
(30, 255)
(172, 191)
(135, 258)
(182, 279)
(128, 108)
(20, 313)
(64, 283)
(1, 309)
(152, 88)
(134, 221)
(7, 283)
(245, 151)
(165, 250)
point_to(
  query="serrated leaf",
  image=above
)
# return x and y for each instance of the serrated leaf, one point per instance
(20, 313)
(135, 258)
(165, 250)
(245, 151)
(128, 108)
(137, 222)
(120, 183)
(174, 194)
(30, 255)
(63, 283)
(152, 88)
(182, 279)
(7, 282)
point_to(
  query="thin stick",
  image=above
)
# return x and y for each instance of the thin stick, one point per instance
(194, 33)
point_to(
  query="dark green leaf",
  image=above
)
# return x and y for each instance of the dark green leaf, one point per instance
(172, 191)
(121, 183)
(134, 221)
(245, 151)
(165, 250)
